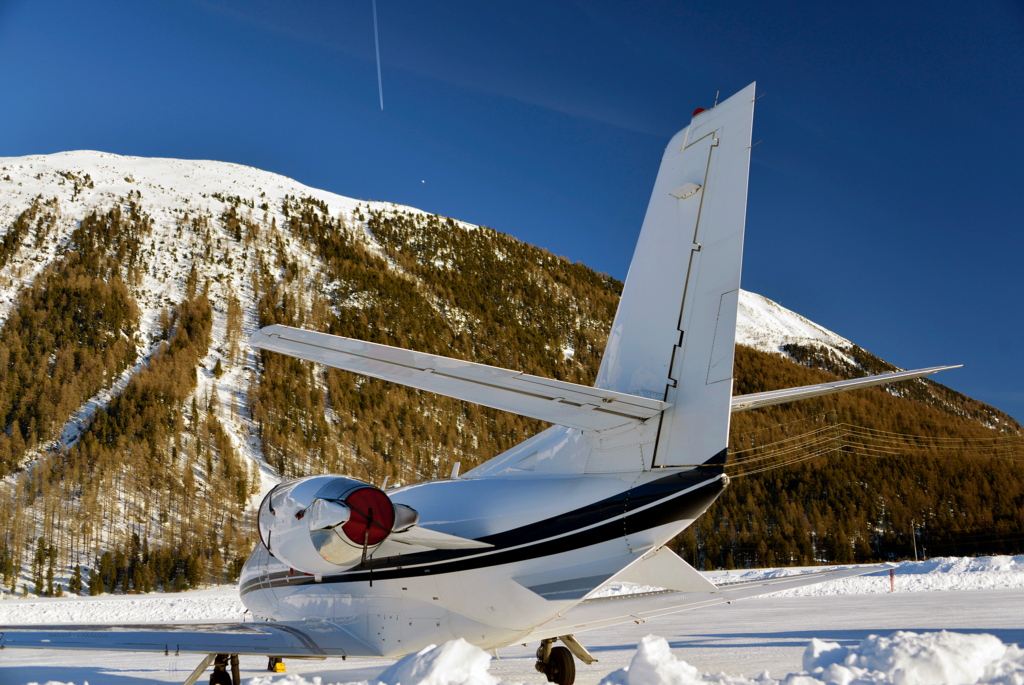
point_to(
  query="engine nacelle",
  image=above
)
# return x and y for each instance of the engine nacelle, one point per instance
(323, 524)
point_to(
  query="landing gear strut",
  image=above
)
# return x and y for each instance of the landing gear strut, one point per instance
(220, 670)
(556, 663)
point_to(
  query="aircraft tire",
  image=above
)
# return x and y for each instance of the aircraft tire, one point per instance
(560, 668)
(220, 678)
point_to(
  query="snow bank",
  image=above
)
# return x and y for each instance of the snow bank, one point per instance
(454, 663)
(943, 573)
(911, 659)
(902, 658)
(940, 574)
(221, 604)
(654, 664)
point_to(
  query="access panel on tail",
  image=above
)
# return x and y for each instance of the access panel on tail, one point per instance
(675, 329)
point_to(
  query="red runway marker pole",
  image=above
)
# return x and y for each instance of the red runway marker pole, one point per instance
(892, 581)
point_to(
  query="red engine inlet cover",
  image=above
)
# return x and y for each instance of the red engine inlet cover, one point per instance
(367, 503)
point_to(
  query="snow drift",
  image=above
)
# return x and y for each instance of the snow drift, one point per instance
(942, 573)
(453, 663)
(902, 658)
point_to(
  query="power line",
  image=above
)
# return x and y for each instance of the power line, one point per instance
(844, 438)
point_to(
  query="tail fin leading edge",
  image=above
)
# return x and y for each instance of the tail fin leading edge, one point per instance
(675, 330)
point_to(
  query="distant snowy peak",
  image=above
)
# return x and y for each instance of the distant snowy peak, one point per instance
(165, 184)
(767, 326)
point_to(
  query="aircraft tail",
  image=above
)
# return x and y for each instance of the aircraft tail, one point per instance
(675, 329)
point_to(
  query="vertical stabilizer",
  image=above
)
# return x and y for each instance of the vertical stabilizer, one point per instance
(675, 329)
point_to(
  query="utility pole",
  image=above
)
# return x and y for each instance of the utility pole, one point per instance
(913, 537)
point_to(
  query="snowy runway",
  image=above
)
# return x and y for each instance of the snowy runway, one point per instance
(747, 638)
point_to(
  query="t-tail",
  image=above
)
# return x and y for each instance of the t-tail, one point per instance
(663, 394)
(675, 329)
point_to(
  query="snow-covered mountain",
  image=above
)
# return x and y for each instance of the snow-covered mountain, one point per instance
(263, 247)
(768, 326)
(85, 180)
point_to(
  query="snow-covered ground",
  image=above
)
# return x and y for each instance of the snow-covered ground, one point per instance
(968, 597)
(940, 573)
(904, 657)
(733, 644)
(219, 604)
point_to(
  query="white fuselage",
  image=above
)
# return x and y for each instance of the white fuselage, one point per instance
(555, 539)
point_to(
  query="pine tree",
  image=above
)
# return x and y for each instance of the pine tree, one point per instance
(95, 584)
(37, 566)
(138, 582)
(51, 553)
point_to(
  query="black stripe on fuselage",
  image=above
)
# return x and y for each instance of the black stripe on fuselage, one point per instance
(632, 511)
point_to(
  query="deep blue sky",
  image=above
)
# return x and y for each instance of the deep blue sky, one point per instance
(885, 200)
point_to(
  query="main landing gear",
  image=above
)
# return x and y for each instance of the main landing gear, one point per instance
(220, 671)
(556, 663)
(220, 674)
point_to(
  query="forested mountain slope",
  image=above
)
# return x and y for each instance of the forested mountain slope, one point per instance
(138, 431)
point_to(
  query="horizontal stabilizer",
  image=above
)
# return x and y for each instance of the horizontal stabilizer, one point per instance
(558, 402)
(766, 399)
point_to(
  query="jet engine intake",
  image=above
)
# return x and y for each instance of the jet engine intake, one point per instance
(325, 524)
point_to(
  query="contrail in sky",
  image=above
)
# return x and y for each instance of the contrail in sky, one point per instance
(376, 42)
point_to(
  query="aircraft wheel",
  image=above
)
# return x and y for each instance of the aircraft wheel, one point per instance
(560, 668)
